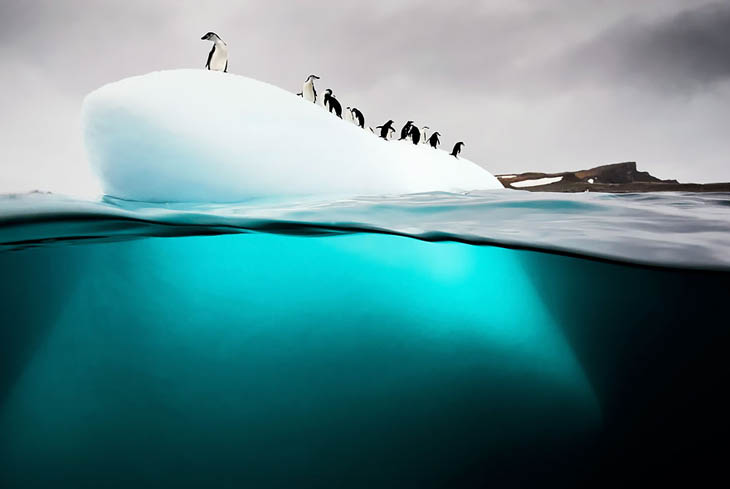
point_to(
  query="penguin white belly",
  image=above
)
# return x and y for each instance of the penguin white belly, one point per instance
(308, 92)
(220, 58)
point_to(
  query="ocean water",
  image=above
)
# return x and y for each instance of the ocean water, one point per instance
(493, 339)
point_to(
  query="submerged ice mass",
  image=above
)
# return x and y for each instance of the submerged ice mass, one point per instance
(196, 135)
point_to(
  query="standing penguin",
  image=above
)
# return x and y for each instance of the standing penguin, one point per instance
(218, 56)
(348, 115)
(308, 91)
(331, 103)
(359, 118)
(385, 129)
(434, 140)
(457, 149)
(415, 135)
(406, 130)
(424, 134)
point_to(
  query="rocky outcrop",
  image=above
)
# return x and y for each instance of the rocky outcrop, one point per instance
(617, 178)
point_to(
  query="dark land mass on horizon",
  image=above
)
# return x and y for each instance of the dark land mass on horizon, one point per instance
(616, 178)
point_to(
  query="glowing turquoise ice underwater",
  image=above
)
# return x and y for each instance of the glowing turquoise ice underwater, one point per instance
(358, 353)
(355, 360)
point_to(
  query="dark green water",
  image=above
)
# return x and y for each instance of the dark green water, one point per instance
(363, 360)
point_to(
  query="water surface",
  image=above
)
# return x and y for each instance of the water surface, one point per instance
(500, 339)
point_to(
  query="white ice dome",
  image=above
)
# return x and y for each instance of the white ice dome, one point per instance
(206, 136)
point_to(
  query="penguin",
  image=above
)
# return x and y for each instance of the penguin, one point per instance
(415, 135)
(326, 100)
(348, 115)
(385, 129)
(434, 140)
(308, 91)
(406, 129)
(331, 103)
(457, 149)
(359, 118)
(218, 56)
(424, 134)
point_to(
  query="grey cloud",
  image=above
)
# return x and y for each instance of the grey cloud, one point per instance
(683, 52)
(692, 46)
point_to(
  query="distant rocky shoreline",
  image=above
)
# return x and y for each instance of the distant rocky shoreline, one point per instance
(615, 178)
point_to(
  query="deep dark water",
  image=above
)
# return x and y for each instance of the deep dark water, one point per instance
(654, 343)
(363, 360)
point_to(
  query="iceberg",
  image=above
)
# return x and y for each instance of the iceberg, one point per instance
(206, 136)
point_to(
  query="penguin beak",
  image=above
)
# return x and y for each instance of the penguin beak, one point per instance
(204, 38)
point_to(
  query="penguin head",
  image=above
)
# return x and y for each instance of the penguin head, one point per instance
(436, 133)
(312, 77)
(211, 36)
(460, 144)
(328, 91)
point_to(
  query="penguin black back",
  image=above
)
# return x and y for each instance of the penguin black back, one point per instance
(415, 135)
(335, 105)
(359, 117)
(385, 129)
(332, 104)
(457, 149)
(434, 140)
(406, 130)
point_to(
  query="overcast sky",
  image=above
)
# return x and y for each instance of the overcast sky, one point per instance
(543, 85)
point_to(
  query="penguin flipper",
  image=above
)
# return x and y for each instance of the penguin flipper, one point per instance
(210, 57)
(225, 70)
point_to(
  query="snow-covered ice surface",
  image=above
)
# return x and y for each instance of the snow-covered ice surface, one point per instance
(205, 136)
(537, 182)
